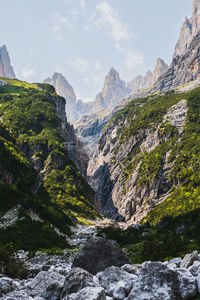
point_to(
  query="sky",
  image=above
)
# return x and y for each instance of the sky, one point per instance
(83, 39)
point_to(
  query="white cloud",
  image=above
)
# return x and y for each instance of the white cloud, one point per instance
(27, 72)
(82, 3)
(60, 22)
(80, 64)
(109, 19)
(132, 58)
(97, 65)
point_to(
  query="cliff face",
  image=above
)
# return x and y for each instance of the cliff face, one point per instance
(189, 28)
(6, 70)
(136, 165)
(64, 89)
(183, 69)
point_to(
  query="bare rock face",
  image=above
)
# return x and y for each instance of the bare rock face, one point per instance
(195, 16)
(140, 82)
(64, 89)
(160, 69)
(185, 37)
(113, 91)
(189, 28)
(6, 70)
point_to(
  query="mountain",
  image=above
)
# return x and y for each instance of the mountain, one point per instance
(144, 166)
(42, 190)
(113, 91)
(6, 70)
(183, 69)
(140, 82)
(189, 29)
(74, 109)
(64, 89)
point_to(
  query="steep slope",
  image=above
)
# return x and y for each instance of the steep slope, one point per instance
(6, 69)
(40, 186)
(189, 28)
(182, 70)
(147, 163)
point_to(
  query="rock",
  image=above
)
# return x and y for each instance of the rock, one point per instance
(132, 269)
(6, 69)
(176, 261)
(195, 268)
(160, 69)
(98, 254)
(198, 283)
(113, 91)
(157, 282)
(116, 282)
(189, 259)
(6, 285)
(47, 285)
(88, 293)
(76, 280)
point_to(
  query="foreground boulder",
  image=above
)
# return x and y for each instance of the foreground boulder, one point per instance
(157, 282)
(117, 282)
(98, 254)
(47, 285)
(76, 280)
(88, 293)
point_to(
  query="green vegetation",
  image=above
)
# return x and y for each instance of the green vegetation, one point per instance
(30, 140)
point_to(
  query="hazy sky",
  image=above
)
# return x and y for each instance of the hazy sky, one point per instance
(83, 39)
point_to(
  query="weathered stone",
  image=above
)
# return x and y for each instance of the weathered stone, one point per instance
(156, 282)
(88, 293)
(76, 280)
(116, 282)
(176, 261)
(189, 259)
(98, 254)
(132, 269)
(47, 285)
(6, 285)
(195, 268)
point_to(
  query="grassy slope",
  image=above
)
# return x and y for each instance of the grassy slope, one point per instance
(30, 122)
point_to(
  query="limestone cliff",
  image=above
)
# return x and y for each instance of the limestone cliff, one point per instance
(134, 169)
(6, 70)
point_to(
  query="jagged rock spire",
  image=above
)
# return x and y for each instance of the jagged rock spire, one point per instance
(6, 70)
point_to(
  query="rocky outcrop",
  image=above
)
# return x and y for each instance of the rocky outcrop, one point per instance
(183, 69)
(185, 37)
(160, 69)
(64, 89)
(6, 70)
(113, 91)
(189, 28)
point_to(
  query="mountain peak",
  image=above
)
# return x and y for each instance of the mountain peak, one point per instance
(160, 68)
(6, 70)
(64, 89)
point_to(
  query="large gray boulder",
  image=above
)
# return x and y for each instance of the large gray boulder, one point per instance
(117, 282)
(47, 285)
(76, 280)
(189, 259)
(157, 282)
(98, 254)
(88, 293)
(7, 285)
